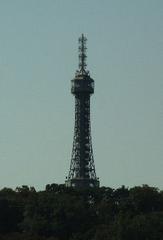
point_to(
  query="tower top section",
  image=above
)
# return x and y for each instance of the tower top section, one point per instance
(82, 83)
(82, 55)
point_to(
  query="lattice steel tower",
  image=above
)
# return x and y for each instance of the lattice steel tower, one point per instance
(82, 169)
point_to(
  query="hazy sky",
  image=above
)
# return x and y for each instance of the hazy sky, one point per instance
(38, 58)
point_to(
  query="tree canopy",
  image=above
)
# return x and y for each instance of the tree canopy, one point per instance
(61, 213)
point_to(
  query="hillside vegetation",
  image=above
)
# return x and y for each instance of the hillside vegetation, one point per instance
(60, 213)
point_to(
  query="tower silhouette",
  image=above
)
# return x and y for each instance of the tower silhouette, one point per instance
(82, 172)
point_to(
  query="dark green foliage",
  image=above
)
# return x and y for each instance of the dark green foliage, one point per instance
(61, 213)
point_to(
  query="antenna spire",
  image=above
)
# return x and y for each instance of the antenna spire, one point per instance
(82, 54)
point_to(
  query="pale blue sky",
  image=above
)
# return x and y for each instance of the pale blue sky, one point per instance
(38, 58)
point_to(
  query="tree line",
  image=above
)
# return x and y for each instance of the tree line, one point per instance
(61, 213)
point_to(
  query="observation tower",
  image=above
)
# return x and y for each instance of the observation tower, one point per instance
(82, 172)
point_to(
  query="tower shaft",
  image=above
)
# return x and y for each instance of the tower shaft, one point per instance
(82, 154)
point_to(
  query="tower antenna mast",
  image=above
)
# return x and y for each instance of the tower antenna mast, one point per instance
(82, 54)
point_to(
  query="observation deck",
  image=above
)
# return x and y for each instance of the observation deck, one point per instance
(82, 84)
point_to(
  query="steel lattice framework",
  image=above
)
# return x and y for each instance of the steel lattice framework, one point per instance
(82, 169)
